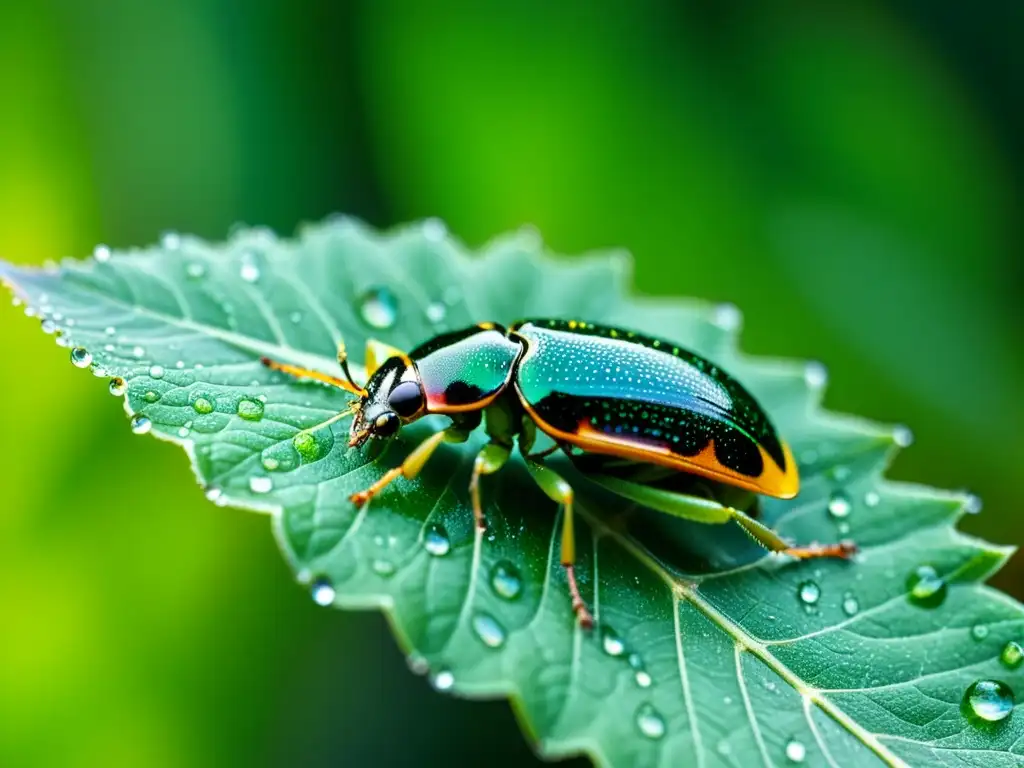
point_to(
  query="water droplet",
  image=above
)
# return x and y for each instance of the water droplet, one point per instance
(796, 752)
(436, 312)
(902, 436)
(611, 642)
(214, 494)
(434, 229)
(195, 270)
(979, 631)
(488, 630)
(505, 580)
(723, 747)
(991, 700)
(138, 352)
(48, 326)
(809, 592)
(307, 446)
(151, 396)
(80, 357)
(872, 499)
(183, 431)
(202, 405)
(927, 589)
(249, 272)
(643, 679)
(1013, 655)
(110, 330)
(727, 317)
(171, 241)
(850, 604)
(383, 568)
(156, 372)
(270, 463)
(650, 722)
(117, 386)
(141, 424)
(101, 253)
(972, 504)
(250, 410)
(839, 505)
(840, 473)
(295, 317)
(436, 541)
(443, 680)
(379, 308)
(260, 484)
(323, 592)
(815, 375)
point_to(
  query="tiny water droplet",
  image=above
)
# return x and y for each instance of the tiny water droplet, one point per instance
(436, 541)
(839, 505)
(809, 592)
(183, 431)
(117, 386)
(979, 631)
(101, 253)
(796, 752)
(490, 632)
(48, 325)
(141, 424)
(927, 589)
(850, 604)
(80, 357)
(727, 317)
(972, 504)
(434, 229)
(815, 374)
(110, 330)
(171, 241)
(505, 580)
(840, 473)
(156, 372)
(307, 446)
(383, 568)
(270, 463)
(611, 642)
(643, 679)
(650, 722)
(250, 410)
(323, 592)
(202, 405)
(260, 484)
(436, 312)
(295, 318)
(151, 396)
(990, 700)
(138, 352)
(249, 272)
(378, 308)
(1012, 656)
(902, 436)
(444, 680)
(216, 495)
(723, 747)
(872, 499)
(195, 270)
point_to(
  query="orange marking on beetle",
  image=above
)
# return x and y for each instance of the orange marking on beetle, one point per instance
(438, 403)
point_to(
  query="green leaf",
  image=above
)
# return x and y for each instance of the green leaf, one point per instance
(707, 651)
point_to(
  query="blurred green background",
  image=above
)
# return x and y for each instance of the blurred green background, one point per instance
(850, 177)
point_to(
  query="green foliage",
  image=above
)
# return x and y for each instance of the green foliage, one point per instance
(707, 650)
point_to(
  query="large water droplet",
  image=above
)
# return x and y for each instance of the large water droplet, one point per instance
(250, 410)
(927, 589)
(809, 592)
(323, 592)
(307, 446)
(796, 752)
(117, 386)
(839, 505)
(850, 604)
(505, 580)
(488, 630)
(991, 700)
(141, 424)
(202, 405)
(1012, 656)
(443, 680)
(260, 484)
(378, 308)
(611, 642)
(80, 357)
(650, 722)
(436, 542)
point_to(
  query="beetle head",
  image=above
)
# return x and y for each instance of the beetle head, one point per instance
(393, 397)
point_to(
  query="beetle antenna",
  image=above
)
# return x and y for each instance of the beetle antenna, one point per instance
(343, 362)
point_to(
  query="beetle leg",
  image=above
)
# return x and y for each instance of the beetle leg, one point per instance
(560, 491)
(408, 469)
(308, 373)
(491, 458)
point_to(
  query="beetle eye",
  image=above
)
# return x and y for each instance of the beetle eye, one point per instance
(406, 399)
(386, 424)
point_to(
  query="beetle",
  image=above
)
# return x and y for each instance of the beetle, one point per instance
(630, 410)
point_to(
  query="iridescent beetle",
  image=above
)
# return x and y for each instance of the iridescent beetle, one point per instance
(628, 409)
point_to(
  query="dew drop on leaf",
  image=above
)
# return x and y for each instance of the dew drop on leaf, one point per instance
(170, 241)
(322, 592)
(872, 499)
(436, 542)
(815, 375)
(990, 700)
(972, 504)
(378, 308)
(383, 568)
(490, 632)
(611, 642)
(295, 318)
(250, 410)
(850, 604)
(138, 352)
(80, 357)
(270, 463)
(1012, 656)
(117, 387)
(979, 631)
(249, 272)
(650, 722)
(839, 505)
(902, 436)
(796, 752)
(260, 484)
(727, 317)
(307, 446)
(436, 312)
(434, 229)
(927, 589)
(141, 424)
(444, 680)
(809, 592)
(195, 270)
(101, 253)
(156, 372)
(202, 405)
(48, 325)
(183, 432)
(505, 580)
(151, 396)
